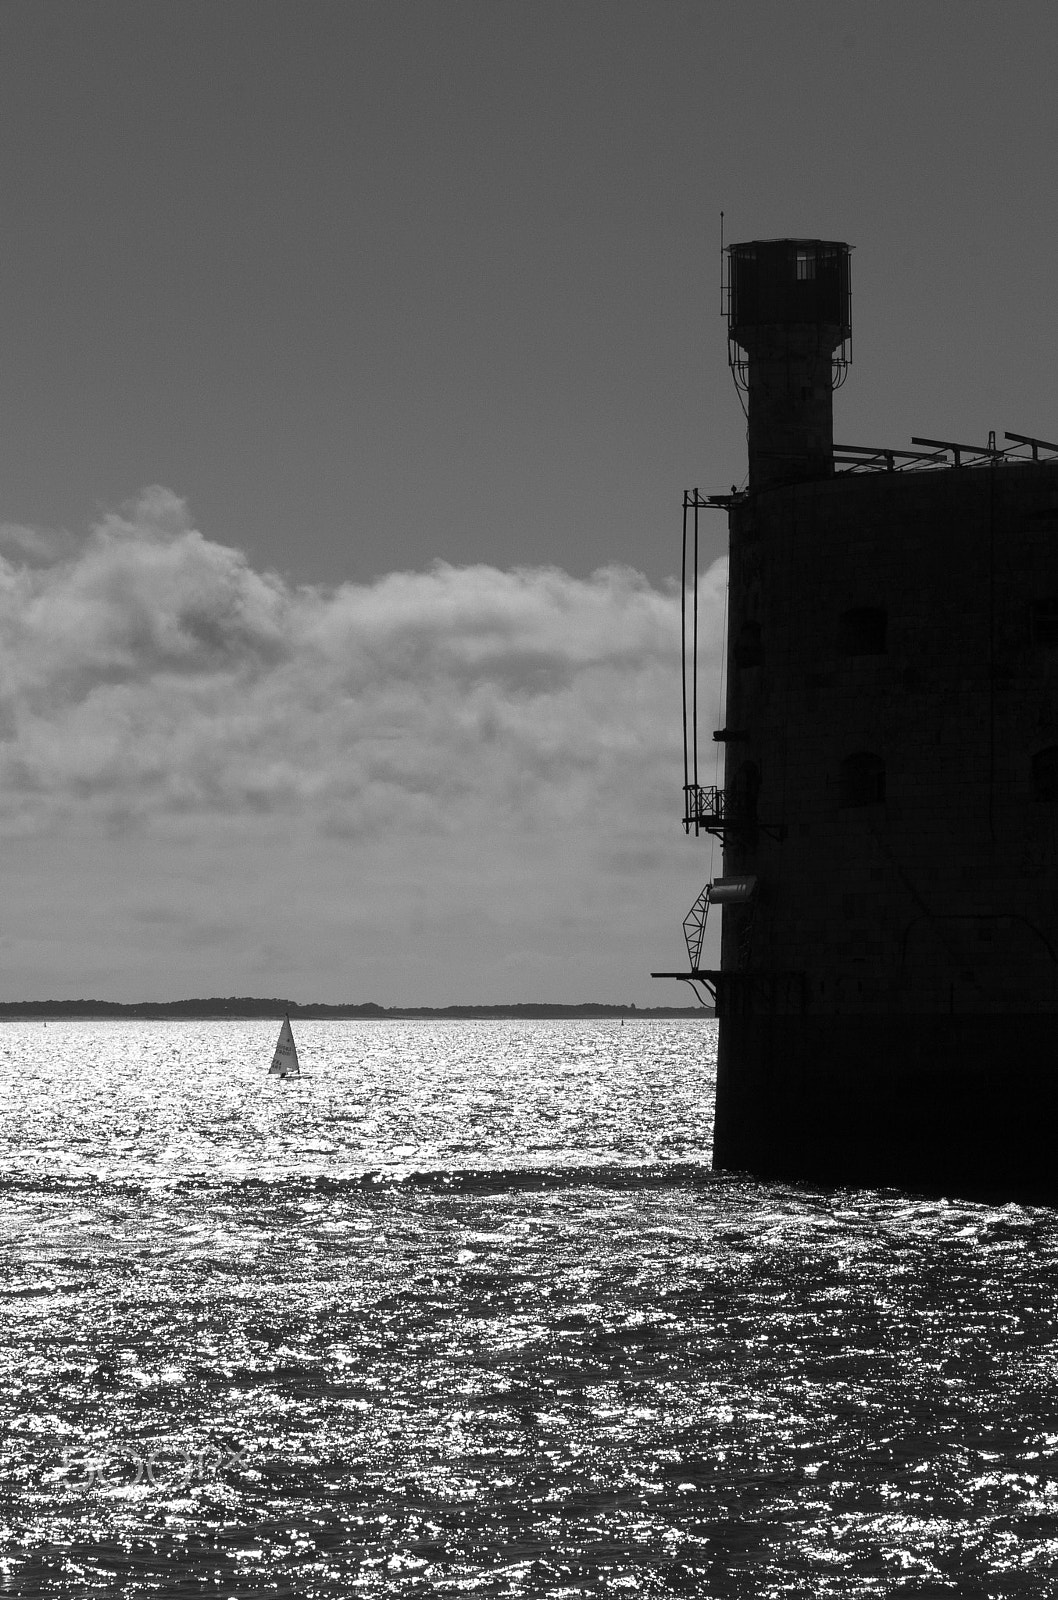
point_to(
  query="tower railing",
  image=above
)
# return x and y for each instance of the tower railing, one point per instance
(706, 808)
(723, 812)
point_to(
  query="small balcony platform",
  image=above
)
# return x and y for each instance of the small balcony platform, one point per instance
(709, 809)
(750, 992)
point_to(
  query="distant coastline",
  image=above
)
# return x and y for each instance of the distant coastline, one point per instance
(247, 1007)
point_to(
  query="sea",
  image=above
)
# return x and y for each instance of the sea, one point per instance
(464, 1311)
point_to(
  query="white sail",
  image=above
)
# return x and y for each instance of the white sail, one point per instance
(285, 1060)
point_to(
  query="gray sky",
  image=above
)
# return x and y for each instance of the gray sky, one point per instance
(369, 286)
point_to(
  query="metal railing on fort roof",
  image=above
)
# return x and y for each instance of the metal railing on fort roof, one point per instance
(849, 458)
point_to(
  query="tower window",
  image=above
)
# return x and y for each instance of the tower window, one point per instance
(861, 631)
(806, 265)
(1045, 773)
(862, 780)
(1045, 622)
(748, 649)
(744, 789)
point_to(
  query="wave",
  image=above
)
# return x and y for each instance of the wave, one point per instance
(448, 1180)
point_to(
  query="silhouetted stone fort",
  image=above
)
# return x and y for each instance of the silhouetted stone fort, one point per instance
(888, 986)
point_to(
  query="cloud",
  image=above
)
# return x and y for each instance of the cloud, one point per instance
(154, 687)
(155, 674)
(33, 544)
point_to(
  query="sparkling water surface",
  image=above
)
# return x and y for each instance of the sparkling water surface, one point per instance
(464, 1311)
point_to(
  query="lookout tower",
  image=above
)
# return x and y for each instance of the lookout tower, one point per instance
(789, 324)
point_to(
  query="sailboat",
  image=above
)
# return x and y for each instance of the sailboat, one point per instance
(285, 1060)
